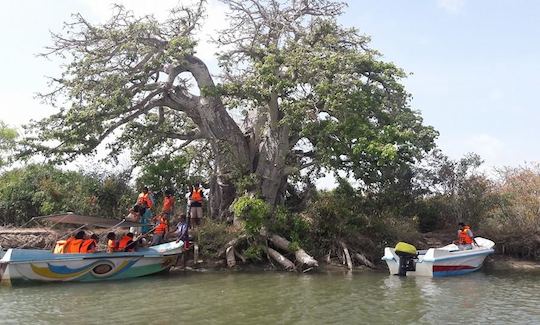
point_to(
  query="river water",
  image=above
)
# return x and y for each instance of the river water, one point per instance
(281, 298)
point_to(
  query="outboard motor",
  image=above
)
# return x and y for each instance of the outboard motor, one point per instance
(407, 254)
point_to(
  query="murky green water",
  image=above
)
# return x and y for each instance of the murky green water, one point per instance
(281, 298)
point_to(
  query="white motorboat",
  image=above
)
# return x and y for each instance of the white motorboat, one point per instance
(435, 262)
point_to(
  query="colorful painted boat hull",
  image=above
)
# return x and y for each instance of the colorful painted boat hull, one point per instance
(444, 261)
(39, 265)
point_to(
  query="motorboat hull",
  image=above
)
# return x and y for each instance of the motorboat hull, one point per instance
(19, 265)
(445, 261)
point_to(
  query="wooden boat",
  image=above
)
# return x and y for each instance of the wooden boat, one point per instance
(43, 265)
(435, 262)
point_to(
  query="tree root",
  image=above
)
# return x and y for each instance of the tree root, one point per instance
(347, 256)
(303, 258)
(282, 260)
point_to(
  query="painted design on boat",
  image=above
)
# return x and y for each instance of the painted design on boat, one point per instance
(101, 268)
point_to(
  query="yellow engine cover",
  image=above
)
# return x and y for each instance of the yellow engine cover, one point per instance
(405, 248)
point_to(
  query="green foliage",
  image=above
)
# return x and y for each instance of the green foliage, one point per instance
(212, 237)
(7, 142)
(247, 183)
(291, 225)
(254, 253)
(42, 189)
(165, 173)
(252, 211)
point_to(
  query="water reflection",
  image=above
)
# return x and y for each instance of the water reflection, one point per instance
(281, 298)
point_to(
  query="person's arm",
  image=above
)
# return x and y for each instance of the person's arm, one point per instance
(470, 233)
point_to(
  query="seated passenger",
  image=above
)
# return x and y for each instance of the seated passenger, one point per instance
(73, 245)
(90, 245)
(112, 245)
(61, 245)
(126, 243)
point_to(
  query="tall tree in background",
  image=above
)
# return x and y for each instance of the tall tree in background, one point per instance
(8, 138)
(312, 93)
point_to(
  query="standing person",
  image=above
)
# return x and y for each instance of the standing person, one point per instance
(146, 202)
(160, 231)
(168, 204)
(181, 232)
(465, 237)
(196, 198)
(134, 216)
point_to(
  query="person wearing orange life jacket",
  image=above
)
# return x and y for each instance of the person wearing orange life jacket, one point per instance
(196, 198)
(90, 245)
(168, 204)
(465, 237)
(145, 197)
(145, 201)
(126, 244)
(73, 246)
(160, 230)
(112, 244)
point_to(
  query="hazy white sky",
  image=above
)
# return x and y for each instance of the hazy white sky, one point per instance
(473, 63)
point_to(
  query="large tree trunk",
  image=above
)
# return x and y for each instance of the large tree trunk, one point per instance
(271, 166)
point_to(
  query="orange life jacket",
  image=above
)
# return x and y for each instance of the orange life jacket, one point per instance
(145, 198)
(463, 236)
(162, 227)
(73, 246)
(122, 244)
(87, 247)
(196, 195)
(168, 203)
(112, 245)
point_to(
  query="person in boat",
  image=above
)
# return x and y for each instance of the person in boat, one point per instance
(196, 198)
(73, 245)
(465, 237)
(134, 216)
(160, 230)
(126, 243)
(112, 245)
(182, 232)
(168, 204)
(90, 245)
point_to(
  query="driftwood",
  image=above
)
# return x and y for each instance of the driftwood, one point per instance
(231, 261)
(363, 260)
(240, 256)
(195, 253)
(27, 238)
(282, 260)
(302, 257)
(231, 243)
(347, 256)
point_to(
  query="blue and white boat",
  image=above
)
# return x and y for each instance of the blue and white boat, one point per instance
(435, 262)
(18, 265)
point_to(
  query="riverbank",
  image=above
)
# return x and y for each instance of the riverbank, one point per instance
(42, 238)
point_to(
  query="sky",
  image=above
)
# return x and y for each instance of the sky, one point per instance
(473, 64)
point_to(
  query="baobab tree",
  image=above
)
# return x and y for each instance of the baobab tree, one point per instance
(296, 93)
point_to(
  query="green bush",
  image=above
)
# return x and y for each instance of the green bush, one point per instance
(253, 211)
(37, 190)
(212, 237)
